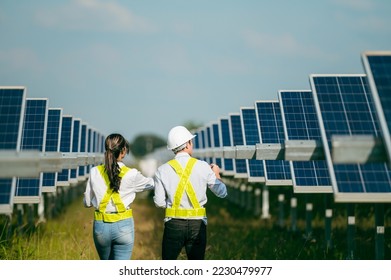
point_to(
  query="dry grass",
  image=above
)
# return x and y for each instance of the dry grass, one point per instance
(233, 234)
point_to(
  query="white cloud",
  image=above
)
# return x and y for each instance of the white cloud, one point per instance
(281, 44)
(93, 15)
(359, 5)
(20, 59)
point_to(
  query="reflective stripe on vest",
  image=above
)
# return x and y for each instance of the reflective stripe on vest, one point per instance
(122, 212)
(185, 185)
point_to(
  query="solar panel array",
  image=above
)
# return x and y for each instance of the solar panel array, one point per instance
(255, 168)
(53, 131)
(277, 172)
(377, 66)
(29, 127)
(225, 136)
(28, 190)
(12, 106)
(345, 107)
(240, 166)
(301, 123)
(335, 105)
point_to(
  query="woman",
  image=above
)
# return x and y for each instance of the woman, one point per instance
(111, 188)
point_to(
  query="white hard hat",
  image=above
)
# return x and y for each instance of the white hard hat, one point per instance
(178, 136)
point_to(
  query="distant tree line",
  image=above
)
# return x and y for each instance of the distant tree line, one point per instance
(144, 144)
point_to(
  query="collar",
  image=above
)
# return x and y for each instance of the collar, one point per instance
(182, 154)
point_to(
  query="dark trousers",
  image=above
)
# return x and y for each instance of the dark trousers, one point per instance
(179, 233)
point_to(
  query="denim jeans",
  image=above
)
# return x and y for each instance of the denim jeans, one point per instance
(179, 233)
(114, 241)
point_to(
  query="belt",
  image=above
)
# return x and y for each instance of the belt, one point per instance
(113, 217)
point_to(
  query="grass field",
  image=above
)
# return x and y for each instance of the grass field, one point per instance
(233, 234)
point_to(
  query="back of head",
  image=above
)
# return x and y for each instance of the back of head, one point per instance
(114, 144)
(177, 138)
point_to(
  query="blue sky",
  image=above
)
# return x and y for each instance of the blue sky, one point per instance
(137, 67)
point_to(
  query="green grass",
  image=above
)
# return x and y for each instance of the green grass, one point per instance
(233, 234)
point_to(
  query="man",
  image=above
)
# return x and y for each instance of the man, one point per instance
(180, 187)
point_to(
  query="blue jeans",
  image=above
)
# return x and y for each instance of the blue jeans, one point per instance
(114, 241)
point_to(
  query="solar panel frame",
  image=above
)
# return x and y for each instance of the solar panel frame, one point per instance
(83, 149)
(240, 167)
(357, 176)
(255, 168)
(29, 190)
(11, 114)
(89, 147)
(301, 117)
(65, 147)
(53, 135)
(73, 177)
(271, 128)
(227, 167)
(216, 141)
(200, 142)
(208, 143)
(380, 84)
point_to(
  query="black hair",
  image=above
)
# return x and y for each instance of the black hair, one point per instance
(114, 144)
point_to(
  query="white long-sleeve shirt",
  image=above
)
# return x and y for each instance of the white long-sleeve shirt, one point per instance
(131, 183)
(202, 177)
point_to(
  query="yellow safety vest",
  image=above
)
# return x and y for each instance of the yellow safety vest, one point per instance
(122, 212)
(184, 185)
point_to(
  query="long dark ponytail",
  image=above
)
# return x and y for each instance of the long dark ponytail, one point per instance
(114, 145)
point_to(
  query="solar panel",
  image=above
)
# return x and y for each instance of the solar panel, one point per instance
(216, 141)
(83, 149)
(240, 166)
(12, 106)
(75, 148)
(271, 131)
(53, 130)
(227, 167)
(255, 169)
(89, 147)
(29, 190)
(377, 65)
(201, 141)
(344, 106)
(65, 147)
(208, 142)
(301, 123)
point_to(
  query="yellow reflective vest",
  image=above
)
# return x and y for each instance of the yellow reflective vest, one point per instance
(184, 185)
(122, 212)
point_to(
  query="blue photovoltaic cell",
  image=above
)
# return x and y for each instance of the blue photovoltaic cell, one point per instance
(345, 106)
(200, 141)
(89, 147)
(83, 149)
(225, 136)
(196, 140)
(301, 123)
(237, 139)
(208, 142)
(377, 65)
(12, 106)
(53, 131)
(65, 147)
(272, 132)
(28, 190)
(94, 142)
(216, 141)
(75, 147)
(255, 167)
(11, 117)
